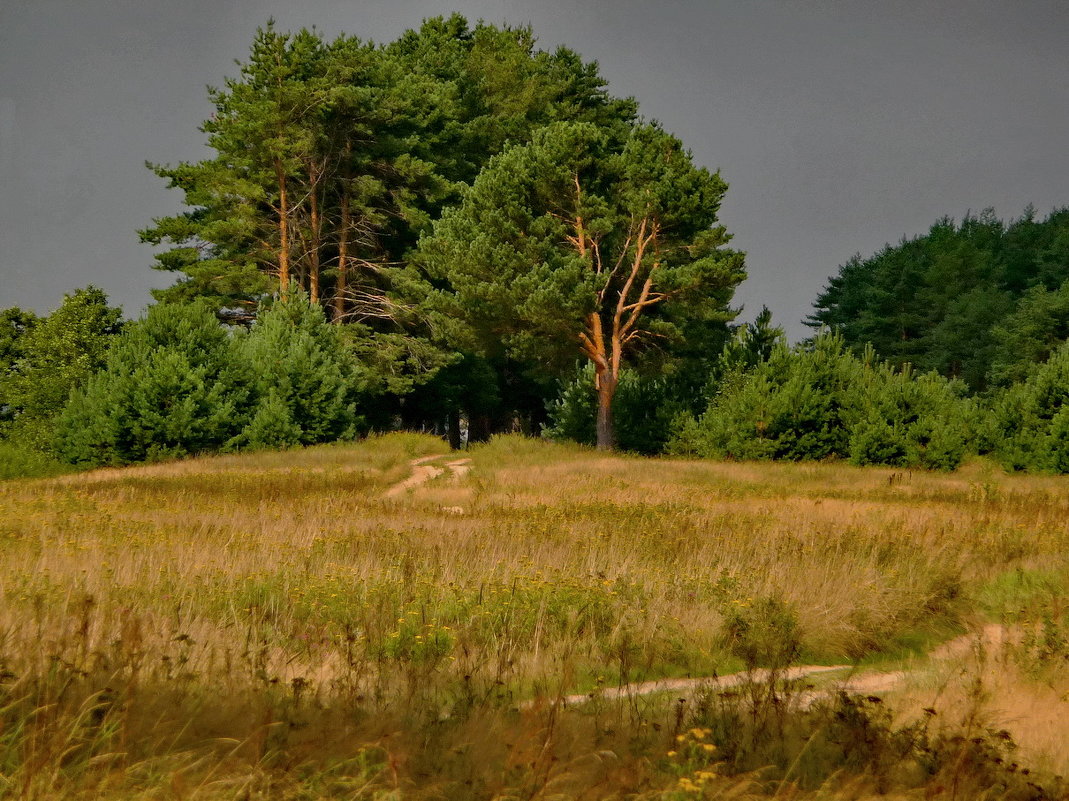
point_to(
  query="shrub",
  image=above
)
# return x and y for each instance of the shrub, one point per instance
(644, 411)
(1029, 422)
(303, 377)
(170, 387)
(20, 461)
(911, 420)
(819, 401)
(763, 633)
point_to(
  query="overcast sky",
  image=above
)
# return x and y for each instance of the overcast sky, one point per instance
(840, 126)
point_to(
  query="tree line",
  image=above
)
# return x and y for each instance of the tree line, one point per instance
(460, 228)
(464, 202)
(981, 300)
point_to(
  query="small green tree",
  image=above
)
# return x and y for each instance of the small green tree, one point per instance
(304, 379)
(752, 344)
(45, 359)
(170, 387)
(1029, 421)
(910, 419)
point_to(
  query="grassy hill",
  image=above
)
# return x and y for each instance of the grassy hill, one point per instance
(305, 625)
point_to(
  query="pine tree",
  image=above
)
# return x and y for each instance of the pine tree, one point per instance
(305, 380)
(580, 245)
(170, 387)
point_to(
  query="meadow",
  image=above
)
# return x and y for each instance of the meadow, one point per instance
(282, 625)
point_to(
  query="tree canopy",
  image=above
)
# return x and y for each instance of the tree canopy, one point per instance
(332, 157)
(582, 244)
(980, 300)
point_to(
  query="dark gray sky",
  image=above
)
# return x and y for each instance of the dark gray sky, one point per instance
(840, 126)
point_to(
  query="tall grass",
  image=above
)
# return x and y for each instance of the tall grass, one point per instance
(272, 625)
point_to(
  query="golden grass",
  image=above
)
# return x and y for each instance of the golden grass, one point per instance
(276, 624)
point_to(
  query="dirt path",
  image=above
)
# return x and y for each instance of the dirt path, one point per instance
(871, 682)
(690, 685)
(424, 470)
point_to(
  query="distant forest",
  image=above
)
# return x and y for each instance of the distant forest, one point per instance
(982, 300)
(462, 233)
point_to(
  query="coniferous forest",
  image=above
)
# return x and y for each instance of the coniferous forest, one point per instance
(461, 233)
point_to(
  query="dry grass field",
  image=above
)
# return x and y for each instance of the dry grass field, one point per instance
(283, 625)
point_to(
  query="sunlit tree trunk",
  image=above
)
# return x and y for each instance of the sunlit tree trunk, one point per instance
(343, 256)
(313, 253)
(621, 301)
(283, 233)
(606, 431)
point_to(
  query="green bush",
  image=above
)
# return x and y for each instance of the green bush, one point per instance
(874, 441)
(21, 461)
(644, 411)
(1028, 427)
(303, 377)
(171, 387)
(819, 401)
(43, 359)
(179, 383)
(763, 633)
(915, 420)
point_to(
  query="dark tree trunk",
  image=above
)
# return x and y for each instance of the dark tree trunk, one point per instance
(343, 254)
(480, 427)
(454, 429)
(313, 256)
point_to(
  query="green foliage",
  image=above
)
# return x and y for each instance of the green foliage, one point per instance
(820, 401)
(331, 158)
(583, 237)
(15, 325)
(170, 387)
(1029, 422)
(645, 410)
(911, 419)
(44, 359)
(794, 406)
(980, 301)
(179, 383)
(18, 460)
(1029, 335)
(363, 145)
(752, 344)
(303, 377)
(272, 424)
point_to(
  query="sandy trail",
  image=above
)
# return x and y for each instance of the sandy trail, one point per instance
(460, 467)
(690, 685)
(424, 470)
(869, 683)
